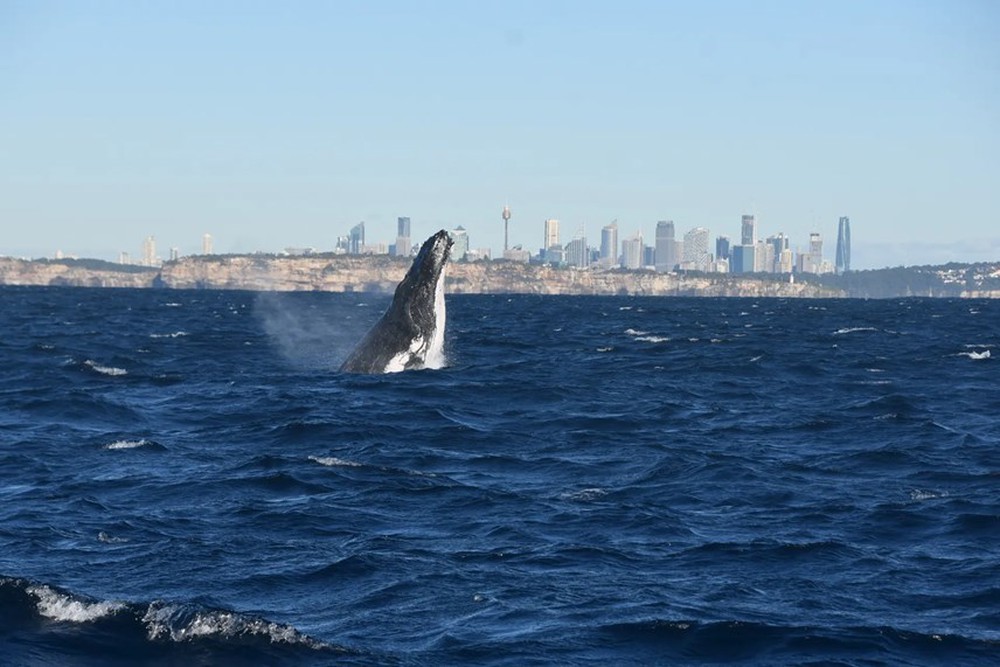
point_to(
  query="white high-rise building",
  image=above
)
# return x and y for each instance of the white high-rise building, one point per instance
(460, 249)
(632, 252)
(149, 251)
(609, 245)
(696, 255)
(206, 244)
(551, 234)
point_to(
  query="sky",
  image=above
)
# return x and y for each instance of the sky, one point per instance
(283, 124)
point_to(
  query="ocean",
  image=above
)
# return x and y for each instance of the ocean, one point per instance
(186, 478)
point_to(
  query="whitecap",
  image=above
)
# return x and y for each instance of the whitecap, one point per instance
(653, 339)
(178, 623)
(110, 539)
(172, 305)
(126, 444)
(985, 354)
(920, 494)
(61, 607)
(104, 370)
(176, 334)
(605, 349)
(633, 332)
(847, 330)
(334, 461)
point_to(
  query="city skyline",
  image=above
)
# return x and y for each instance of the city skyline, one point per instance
(582, 112)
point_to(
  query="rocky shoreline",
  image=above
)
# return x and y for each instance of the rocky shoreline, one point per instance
(380, 274)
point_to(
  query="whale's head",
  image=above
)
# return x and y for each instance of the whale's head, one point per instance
(411, 332)
(419, 290)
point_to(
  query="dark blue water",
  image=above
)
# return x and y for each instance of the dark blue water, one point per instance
(185, 479)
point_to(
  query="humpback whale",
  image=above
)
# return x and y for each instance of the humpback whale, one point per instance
(410, 335)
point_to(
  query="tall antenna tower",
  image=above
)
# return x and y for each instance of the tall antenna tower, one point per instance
(506, 218)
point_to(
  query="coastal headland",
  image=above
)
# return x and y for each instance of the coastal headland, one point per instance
(381, 273)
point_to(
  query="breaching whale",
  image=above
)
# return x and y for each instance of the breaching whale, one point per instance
(410, 334)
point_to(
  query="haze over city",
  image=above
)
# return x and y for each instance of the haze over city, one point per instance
(272, 126)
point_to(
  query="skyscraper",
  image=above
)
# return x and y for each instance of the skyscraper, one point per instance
(403, 245)
(576, 253)
(206, 244)
(666, 254)
(696, 257)
(632, 252)
(609, 245)
(149, 251)
(722, 246)
(748, 230)
(551, 234)
(357, 244)
(844, 245)
(461, 243)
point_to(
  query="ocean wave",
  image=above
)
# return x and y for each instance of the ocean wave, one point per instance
(127, 444)
(104, 370)
(333, 461)
(849, 330)
(135, 627)
(975, 356)
(60, 606)
(176, 334)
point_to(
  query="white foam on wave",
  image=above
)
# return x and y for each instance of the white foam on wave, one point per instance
(920, 494)
(176, 334)
(334, 461)
(104, 370)
(126, 444)
(653, 339)
(61, 607)
(178, 623)
(985, 354)
(634, 332)
(848, 330)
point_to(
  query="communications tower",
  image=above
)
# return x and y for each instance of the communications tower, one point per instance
(506, 218)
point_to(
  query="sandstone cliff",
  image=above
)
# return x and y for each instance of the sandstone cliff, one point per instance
(381, 274)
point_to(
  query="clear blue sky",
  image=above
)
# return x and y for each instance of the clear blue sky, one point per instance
(274, 124)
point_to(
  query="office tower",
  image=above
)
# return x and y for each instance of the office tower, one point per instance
(609, 245)
(844, 245)
(763, 257)
(696, 257)
(632, 252)
(403, 244)
(206, 244)
(460, 247)
(812, 261)
(666, 256)
(648, 255)
(505, 214)
(777, 245)
(551, 234)
(358, 238)
(149, 251)
(743, 259)
(577, 254)
(123, 257)
(722, 248)
(175, 254)
(748, 230)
